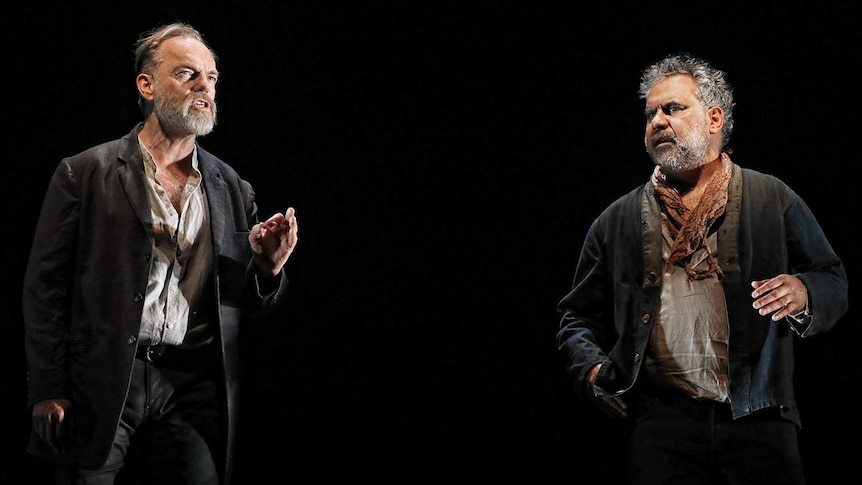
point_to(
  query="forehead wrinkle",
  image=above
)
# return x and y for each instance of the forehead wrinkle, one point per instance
(196, 56)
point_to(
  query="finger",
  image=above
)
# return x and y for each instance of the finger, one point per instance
(255, 232)
(281, 232)
(287, 231)
(280, 223)
(274, 220)
(291, 220)
(59, 420)
(770, 298)
(779, 307)
(784, 312)
(763, 287)
(768, 304)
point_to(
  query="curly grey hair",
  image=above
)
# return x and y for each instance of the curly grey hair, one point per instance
(713, 89)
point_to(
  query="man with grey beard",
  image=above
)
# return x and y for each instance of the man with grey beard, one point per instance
(147, 255)
(689, 293)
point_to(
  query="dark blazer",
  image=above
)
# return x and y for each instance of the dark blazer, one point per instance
(767, 230)
(86, 276)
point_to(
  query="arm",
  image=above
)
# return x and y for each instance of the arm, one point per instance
(48, 283)
(817, 290)
(585, 311)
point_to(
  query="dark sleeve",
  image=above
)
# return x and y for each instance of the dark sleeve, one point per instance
(48, 287)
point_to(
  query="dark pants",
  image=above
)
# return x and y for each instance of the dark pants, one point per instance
(675, 439)
(170, 427)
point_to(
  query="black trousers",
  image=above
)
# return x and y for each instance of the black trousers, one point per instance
(675, 439)
(170, 429)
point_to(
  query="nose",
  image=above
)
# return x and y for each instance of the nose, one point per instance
(658, 120)
(205, 86)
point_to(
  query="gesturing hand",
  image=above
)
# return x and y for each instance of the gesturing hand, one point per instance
(273, 241)
(783, 296)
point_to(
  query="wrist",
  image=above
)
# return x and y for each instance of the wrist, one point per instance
(804, 314)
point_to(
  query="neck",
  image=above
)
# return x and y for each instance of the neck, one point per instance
(166, 149)
(687, 180)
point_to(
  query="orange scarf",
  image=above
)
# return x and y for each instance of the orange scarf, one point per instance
(689, 228)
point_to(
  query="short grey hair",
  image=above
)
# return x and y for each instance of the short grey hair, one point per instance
(147, 56)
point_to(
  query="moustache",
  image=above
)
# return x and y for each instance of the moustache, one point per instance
(656, 140)
(194, 98)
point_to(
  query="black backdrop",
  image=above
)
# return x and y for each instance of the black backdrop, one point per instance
(445, 160)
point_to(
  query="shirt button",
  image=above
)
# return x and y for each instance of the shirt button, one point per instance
(645, 318)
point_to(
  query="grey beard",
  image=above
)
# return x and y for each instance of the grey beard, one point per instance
(179, 118)
(685, 155)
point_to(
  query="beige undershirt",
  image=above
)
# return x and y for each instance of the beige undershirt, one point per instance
(688, 343)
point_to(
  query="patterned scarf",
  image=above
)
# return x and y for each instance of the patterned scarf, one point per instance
(689, 228)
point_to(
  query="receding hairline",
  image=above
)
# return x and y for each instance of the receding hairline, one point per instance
(148, 44)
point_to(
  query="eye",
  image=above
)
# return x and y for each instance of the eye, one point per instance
(673, 109)
(185, 73)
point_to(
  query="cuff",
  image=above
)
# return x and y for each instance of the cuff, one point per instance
(799, 321)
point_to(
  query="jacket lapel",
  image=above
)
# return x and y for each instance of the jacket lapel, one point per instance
(131, 173)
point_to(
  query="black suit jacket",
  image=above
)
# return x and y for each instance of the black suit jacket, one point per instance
(86, 276)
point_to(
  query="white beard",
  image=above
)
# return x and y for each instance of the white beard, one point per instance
(685, 153)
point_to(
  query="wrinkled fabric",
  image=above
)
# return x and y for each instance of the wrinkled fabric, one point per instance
(608, 315)
(689, 227)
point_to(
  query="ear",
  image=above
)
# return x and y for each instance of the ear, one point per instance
(716, 119)
(145, 86)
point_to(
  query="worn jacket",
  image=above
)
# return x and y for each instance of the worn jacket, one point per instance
(86, 277)
(767, 229)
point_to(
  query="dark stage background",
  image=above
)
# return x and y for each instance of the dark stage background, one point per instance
(445, 160)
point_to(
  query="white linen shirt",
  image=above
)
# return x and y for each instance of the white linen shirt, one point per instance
(182, 252)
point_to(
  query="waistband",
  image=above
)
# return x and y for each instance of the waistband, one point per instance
(649, 394)
(173, 356)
